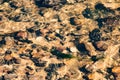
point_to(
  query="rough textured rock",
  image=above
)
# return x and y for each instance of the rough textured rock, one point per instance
(59, 39)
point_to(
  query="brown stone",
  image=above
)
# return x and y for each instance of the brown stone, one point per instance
(116, 69)
(22, 34)
(101, 45)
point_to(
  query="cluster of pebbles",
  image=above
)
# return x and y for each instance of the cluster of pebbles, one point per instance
(59, 40)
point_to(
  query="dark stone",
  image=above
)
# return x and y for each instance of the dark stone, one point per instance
(100, 6)
(49, 3)
(8, 52)
(81, 47)
(118, 8)
(41, 13)
(15, 18)
(58, 35)
(94, 58)
(30, 68)
(23, 9)
(0, 18)
(100, 22)
(13, 5)
(16, 61)
(87, 13)
(2, 42)
(109, 70)
(39, 63)
(72, 21)
(33, 45)
(11, 61)
(38, 33)
(30, 30)
(59, 54)
(51, 68)
(1, 10)
(95, 35)
(25, 41)
(84, 70)
(78, 27)
(85, 78)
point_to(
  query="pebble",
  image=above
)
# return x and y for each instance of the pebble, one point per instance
(116, 69)
(73, 49)
(22, 34)
(92, 76)
(75, 21)
(101, 45)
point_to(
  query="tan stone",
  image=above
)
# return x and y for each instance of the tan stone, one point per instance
(116, 69)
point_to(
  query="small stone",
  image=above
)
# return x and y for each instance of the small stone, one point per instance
(101, 45)
(38, 33)
(87, 13)
(100, 6)
(57, 31)
(95, 35)
(116, 69)
(92, 76)
(2, 42)
(22, 34)
(74, 49)
(75, 21)
(40, 40)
